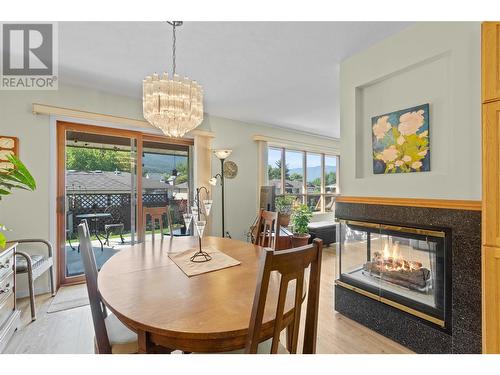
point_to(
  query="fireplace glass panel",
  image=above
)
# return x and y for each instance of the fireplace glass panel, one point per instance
(404, 265)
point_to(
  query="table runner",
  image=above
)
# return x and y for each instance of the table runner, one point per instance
(219, 261)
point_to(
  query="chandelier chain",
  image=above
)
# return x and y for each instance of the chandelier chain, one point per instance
(174, 39)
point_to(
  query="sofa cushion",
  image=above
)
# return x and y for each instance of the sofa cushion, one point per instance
(22, 264)
(321, 224)
(326, 230)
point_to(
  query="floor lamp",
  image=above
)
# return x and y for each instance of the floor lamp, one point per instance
(221, 155)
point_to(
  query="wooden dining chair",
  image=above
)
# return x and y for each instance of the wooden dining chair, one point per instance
(170, 222)
(111, 335)
(155, 213)
(267, 229)
(291, 265)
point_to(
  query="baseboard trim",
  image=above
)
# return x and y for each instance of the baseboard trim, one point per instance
(25, 293)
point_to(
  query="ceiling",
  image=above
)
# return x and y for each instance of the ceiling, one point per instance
(283, 74)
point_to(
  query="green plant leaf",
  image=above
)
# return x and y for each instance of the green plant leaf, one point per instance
(301, 217)
(16, 177)
(4, 192)
(19, 167)
(3, 240)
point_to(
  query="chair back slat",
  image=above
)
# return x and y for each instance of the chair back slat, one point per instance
(278, 322)
(291, 265)
(299, 288)
(267, 229)
(258, 307)
(90, 267)
(311, 326)
(170, 221)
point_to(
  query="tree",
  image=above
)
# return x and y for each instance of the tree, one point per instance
(330, 178)
(92, 159)
(316, 184)
(287, 170)
(274, 173)
(295, 177)
(182, 174)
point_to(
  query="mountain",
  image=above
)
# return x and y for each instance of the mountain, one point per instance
(157, 163)
(314, 172)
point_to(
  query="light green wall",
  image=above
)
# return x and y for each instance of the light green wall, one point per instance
(28, 214)
(241, 193)
(436, 63)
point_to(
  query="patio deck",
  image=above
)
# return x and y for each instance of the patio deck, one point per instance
(74, 265)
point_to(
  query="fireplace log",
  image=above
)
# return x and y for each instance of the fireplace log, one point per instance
(411, 278)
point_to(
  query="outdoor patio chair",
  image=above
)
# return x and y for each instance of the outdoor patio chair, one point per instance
(69, 228)
(155, 213)
(35, 266)
(113, 225)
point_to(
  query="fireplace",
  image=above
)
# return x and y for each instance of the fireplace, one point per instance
(411, 272)
(403, 267)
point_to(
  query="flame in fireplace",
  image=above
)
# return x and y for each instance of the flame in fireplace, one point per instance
(393, 260)
(392, 263)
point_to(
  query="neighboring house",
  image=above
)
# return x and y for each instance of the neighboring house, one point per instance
(105, 182)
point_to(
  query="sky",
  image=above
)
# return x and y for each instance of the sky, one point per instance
(293, 159)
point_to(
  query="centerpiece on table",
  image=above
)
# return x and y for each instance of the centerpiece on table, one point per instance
(201, 256)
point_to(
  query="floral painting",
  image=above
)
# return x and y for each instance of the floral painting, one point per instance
(401, 141)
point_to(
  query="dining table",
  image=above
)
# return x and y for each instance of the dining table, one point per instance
(206, 313)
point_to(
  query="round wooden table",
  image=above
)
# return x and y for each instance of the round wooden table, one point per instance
(205, 313)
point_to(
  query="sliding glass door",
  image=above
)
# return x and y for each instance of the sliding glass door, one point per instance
(101, 188)
(108, 177)
(165, 182)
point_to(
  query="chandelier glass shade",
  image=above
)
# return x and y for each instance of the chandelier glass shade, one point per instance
(175, 106)
(172, 104)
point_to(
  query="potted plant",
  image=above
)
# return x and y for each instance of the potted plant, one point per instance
(15, 177)
(301, 217)
(284, 206)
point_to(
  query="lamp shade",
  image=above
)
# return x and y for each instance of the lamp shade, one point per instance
(212, 181)
(222, 154)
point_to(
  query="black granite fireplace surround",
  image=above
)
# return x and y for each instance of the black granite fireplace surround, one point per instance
(462, 333)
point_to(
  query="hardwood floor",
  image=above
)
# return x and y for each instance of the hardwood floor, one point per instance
(63, 332)
(338, 334)
(71, 331)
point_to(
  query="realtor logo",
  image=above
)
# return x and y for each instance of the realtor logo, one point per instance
(29, 56)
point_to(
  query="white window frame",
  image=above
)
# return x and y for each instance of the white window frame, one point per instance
(305, 194)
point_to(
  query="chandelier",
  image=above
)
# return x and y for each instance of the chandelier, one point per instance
(175, 105)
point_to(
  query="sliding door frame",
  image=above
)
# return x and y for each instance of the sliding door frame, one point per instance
(61, 128)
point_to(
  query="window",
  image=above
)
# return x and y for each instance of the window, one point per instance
(331, 169)
(311, 177)
(294, 172)
(274, 168)
(314, 181)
